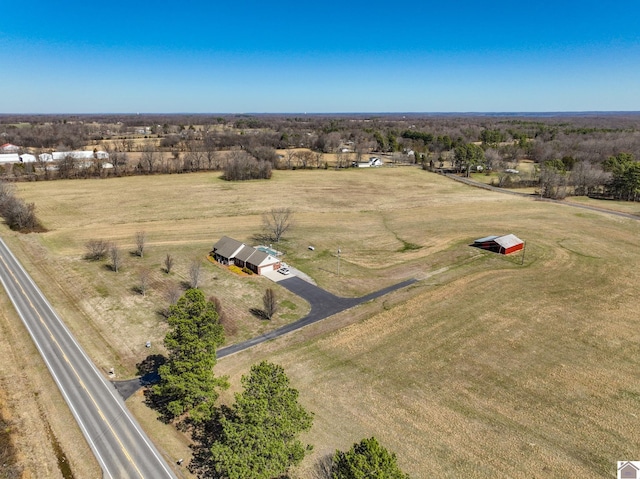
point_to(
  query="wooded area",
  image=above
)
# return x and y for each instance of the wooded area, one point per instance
(588, 154)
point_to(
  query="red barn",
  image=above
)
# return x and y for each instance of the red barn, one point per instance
(500, 244)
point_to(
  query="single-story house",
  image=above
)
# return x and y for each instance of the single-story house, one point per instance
(230, 251)
(500, 244)
(226, 249)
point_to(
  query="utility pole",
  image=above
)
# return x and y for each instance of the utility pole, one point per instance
(524, 247)
(339, 261)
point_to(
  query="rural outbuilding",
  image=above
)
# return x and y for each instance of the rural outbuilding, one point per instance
(500, 244)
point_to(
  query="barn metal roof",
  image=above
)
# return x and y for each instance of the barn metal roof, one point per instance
(507, 241)
(486, 239)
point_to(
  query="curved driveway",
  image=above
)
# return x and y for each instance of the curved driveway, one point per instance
(323, 304)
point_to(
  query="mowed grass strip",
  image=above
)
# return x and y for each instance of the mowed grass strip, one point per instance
(490, 369)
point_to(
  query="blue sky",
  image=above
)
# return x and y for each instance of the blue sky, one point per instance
(318, 57)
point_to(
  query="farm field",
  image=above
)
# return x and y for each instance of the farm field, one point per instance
(486, 368)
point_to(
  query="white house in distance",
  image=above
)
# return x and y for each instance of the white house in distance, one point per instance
(373, 162)
(230, 251)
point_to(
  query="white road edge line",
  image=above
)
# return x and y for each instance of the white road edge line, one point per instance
(109, 386)
(60, 386)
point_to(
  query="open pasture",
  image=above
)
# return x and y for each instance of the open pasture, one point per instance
(486, 368)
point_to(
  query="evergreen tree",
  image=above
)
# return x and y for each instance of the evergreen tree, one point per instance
(187, 382)
(366, 459)
(258, 434)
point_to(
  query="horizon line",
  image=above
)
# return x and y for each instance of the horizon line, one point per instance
(383, 113)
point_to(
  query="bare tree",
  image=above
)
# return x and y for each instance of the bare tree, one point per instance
(141, 238)
(149, 157)
(227, 322)
(168, 263)
(172, 292)
(291, 156)
(270, 303)
(492, 158)
(194, 272)
(305, 158)
(553, 181)
(144, 277)
(96, 249)
(7, 190)
(194, 159)
(119, 161)
(341, 158)
(319, 156)
(588, 179)
(116, 257)
(68, 166)
(209, 145)
(277, 221)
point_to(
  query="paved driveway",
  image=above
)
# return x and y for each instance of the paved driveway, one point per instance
(323, 304)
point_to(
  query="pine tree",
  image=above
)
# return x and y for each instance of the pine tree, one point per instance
(258, 434)
(187, 382)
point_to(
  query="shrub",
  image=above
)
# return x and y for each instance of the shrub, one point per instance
(96, 249)
(234, 269)
(19, 215)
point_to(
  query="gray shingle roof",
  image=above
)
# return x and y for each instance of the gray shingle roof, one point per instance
(227, 247)
(245, 253)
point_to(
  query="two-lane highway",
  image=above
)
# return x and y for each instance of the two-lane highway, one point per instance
(121, 447)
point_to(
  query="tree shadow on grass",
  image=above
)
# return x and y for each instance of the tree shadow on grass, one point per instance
(259, 313)
(322, 467)
(159, 404)
(148, 371)
(204, 436)
(150, 364)
(262, 238)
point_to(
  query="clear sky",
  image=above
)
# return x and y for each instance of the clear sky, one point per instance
(318, 57)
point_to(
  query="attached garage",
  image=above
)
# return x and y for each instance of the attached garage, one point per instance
(500, 244)
(260, 262)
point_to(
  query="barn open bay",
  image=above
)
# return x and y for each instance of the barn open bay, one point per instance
(486, 367)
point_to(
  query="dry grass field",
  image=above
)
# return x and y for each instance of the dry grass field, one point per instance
(485, 368)
(37, 424)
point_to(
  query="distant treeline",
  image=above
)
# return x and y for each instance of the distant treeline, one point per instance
(251, 146)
